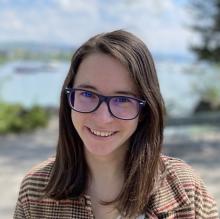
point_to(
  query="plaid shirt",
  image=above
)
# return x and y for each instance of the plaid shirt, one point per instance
(181, 195)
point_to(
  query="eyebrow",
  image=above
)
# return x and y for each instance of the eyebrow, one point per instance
(87, 86)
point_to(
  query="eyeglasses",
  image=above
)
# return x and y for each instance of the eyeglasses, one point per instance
(121, 107)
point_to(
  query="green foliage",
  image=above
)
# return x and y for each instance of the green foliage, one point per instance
(15, 119)
(3, 59)
(25, 54)
(207, 25)
(211, 95)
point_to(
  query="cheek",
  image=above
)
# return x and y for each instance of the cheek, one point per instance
(73, 117)
(76, 120)
(131, 126)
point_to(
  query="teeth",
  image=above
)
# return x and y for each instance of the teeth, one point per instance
(101, 133)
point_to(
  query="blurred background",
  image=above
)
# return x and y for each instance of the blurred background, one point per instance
(37, 40)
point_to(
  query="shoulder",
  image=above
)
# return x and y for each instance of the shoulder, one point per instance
(37, 177)
(182, 190)
(179, 168)
(179, 172)
(41, 170)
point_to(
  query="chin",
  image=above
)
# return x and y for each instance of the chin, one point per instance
(99, 150)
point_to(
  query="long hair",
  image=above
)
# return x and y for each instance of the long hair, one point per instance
(69, 175)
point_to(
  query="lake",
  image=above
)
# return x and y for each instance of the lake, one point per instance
(32, 82)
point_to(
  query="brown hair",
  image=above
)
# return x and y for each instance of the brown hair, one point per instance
(70, 171)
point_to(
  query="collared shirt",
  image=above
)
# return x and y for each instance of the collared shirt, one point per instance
(181, 195)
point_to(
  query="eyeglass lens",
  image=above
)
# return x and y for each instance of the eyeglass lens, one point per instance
(120, 106)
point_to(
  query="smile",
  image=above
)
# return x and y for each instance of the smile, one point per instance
(101, 133)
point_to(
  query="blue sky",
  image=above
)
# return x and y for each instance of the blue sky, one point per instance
(161, 24)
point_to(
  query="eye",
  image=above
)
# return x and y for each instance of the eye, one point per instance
(87, 94)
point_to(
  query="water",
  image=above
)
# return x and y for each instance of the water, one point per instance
(177, 87)
(43, 87)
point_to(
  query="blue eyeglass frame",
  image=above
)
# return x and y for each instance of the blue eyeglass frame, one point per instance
(105, 99)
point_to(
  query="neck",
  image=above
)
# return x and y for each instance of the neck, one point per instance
(105, 172)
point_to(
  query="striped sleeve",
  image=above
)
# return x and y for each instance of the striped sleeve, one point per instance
(205, 205)
(19, 211)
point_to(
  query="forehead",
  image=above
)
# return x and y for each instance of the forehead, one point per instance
(105, 73)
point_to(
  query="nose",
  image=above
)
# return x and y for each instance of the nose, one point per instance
(103, 113)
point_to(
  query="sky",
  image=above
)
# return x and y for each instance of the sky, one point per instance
(162, 25)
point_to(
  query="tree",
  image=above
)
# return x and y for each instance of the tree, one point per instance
(207, 25)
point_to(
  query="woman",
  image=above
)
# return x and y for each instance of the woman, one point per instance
(108, 162)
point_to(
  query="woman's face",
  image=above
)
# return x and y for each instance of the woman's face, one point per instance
(104, 75)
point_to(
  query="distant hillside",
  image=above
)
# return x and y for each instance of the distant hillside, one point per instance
(35, 46)
(36, 50)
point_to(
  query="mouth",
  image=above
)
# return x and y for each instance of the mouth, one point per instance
(102, 134)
